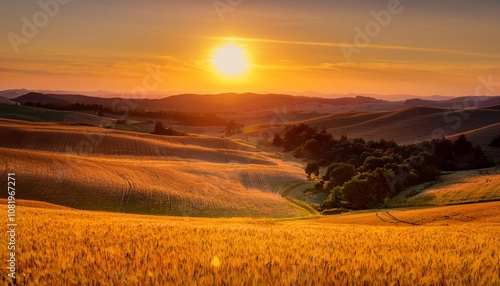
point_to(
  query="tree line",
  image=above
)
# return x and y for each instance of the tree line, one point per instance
(183, 118)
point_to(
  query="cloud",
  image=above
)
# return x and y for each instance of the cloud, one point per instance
(371, 46)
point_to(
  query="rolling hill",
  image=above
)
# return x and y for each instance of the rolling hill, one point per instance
(461, 187)
(101, 169)
(250, 102)
(35, 114)
(226, 102)
(405, 126)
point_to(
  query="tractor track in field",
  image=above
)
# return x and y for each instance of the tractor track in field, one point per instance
(126, 194)
(389, 218)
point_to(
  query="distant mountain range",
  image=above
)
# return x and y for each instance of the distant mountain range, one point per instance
(245, 102)
(227, 102)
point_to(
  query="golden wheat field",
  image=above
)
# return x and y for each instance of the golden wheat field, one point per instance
(70, 247)
(100, 169)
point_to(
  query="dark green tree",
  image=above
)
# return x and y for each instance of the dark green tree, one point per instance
(462, 146)
(311, 149)
(339, 173)
(358, 193)
(312, 168)
(334, 199)
(495, 142)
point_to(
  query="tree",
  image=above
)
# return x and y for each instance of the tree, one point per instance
(444, 152)
(462, 146)
(312, 168)
(357, 192)
(339, 173)
(233, 128)
(379, 188)
(371, 163)
(161, 130)
(311, 149)
(296, 135)
(495, 142)
(158, 128)
(277, 141)
(334, 199)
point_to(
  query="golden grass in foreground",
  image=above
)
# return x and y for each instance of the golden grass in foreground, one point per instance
(66, 247)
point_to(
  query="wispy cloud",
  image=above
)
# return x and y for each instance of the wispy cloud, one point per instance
(371, 46)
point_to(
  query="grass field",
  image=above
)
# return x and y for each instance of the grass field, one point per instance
(100, 169)
(34, 114)
(453, 188)
(71, 247)
(282, 240)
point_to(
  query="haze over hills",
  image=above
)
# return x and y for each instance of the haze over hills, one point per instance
(251, 102)
(13, 93)
(6, 101)
(228, 102)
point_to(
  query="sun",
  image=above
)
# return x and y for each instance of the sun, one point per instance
(231, 60)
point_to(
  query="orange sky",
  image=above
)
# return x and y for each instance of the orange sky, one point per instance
(425, 48)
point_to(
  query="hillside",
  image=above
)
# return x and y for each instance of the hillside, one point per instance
(66, 99)
(482, 213)
(463, 101)
(226, 102)
(250, 102)
(453, 188)
(4, 100)
(34, 114)
(482, 136)
(13, 93)
(418, 123)
(101, 169)
(404, 126)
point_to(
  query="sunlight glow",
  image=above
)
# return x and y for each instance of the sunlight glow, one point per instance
(230, 60)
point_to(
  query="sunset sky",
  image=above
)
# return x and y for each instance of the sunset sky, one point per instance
(425, 48)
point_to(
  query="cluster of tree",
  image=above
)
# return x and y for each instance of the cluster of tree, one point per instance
(183, 118)
(364, 174)
(495, 142)
(233, 128)
(70, 107)
(162, 130)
